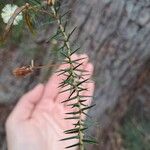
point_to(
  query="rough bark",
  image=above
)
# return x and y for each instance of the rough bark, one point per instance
(116, 35)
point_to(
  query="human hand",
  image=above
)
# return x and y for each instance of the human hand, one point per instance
(37, 122)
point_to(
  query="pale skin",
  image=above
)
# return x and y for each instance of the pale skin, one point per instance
(37, 122)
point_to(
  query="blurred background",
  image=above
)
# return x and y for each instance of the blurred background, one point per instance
(116, 36)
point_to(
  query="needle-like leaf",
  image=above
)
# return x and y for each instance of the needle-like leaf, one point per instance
(90, 141)
(74, 145)
(72, 118)
(71, 88)
(77, 66)
(74, 130)
(82, 81)
(67, 12)
(69, 99)
(70, 138)
(71, 33)
(75, 51)
(85, 108)
(73, 113)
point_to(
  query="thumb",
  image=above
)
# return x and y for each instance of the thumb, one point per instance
(26, 104)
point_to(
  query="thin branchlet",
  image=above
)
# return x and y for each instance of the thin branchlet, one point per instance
(73, 82)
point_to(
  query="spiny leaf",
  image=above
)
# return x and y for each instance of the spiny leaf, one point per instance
(82, 81)
(57, 7)
(62, 71)
(82, 89)
(71, 33)
(74, 145)
(77, 66)
(74, 130)
(63, 84)
(66, 81)
(76, 105)
(70, 138)
(73, 91)
(73, 113)
(74, 51)
(85, 108)
(83, 104)
(67, 12)
(66, 90)
(72, 118)
(81, 101)
(69, 99)
(86, 114)
(90, 141)
(73, 105)
(68, 78)
(79, 124)
(76, 60)
(61, 48)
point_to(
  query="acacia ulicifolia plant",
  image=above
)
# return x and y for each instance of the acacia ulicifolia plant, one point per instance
(74, 80)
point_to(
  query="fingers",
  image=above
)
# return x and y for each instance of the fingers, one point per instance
(26, 104)
(52, 89)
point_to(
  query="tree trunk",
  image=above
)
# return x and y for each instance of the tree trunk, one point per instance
(115, 34)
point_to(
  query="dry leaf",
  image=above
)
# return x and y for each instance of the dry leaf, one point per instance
(49, 2)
